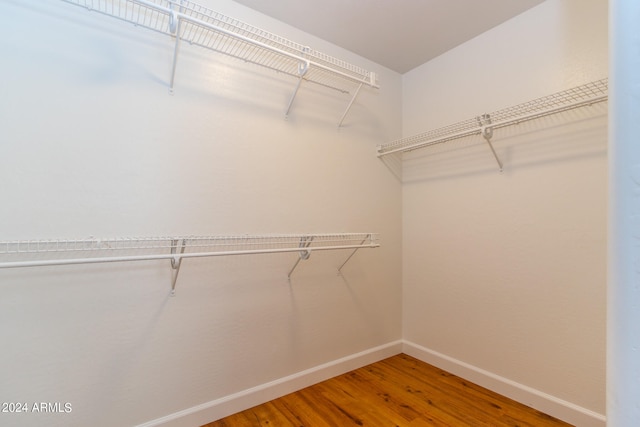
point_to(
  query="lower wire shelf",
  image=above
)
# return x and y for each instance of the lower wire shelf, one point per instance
(40, 253)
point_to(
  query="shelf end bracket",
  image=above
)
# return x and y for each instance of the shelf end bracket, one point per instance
(353, 98)
(353, 253)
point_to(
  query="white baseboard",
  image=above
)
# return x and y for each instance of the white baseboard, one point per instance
(220, 408)
(541, 401)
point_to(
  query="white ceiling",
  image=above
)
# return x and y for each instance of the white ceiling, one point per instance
(399, 34)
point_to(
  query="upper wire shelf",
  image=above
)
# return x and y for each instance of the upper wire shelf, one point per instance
(584, 95)
(198, 25)
(38, 253)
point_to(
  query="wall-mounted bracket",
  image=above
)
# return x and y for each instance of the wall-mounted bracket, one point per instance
(176, 262)
(353, 253)
(486, 130)
(303, 67)
(173, 21)
(305, 242)
(353, 98)
(174, 28)
(373, 77)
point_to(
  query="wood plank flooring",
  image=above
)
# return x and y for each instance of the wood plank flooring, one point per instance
(399, 391)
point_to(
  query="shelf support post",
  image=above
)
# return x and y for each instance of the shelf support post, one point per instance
(353, 98)
(487, 133)
(176, 262)
(174, 27)
(303, 67)
(293, 96)
(305, 242)
(353, 253)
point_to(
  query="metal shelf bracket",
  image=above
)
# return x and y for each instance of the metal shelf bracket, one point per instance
(372, 81)
(352, 254)
(173, 21)
(305, 242)
(486, 131)
(350, 104)
(176, 262)
(303, 67)
(174, 28)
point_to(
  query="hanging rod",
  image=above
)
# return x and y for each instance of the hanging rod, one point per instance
(580, 96)
(40, 253)
(190, 22)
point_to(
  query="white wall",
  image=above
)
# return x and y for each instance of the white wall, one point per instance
(92, 144)
(504, 273)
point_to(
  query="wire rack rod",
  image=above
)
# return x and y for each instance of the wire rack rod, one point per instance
(580, 96)
(35, 253)
(214, 31)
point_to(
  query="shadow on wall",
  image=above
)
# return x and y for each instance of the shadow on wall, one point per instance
(563, 137)
(394, 163)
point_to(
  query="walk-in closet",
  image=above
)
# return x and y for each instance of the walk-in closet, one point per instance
(207, 205)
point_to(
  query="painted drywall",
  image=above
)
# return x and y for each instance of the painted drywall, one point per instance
(623, 292)
(92, 144)
(506, 272)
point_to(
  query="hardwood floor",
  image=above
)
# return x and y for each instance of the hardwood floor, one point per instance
(398, 391)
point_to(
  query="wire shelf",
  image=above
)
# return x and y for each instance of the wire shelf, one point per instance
(204, 36)
(201, 26)
(576, 97)
(40, 253)
(222, 245)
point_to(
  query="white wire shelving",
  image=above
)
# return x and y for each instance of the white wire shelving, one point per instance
(40, 253)
(186, 21)
(484, 125)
